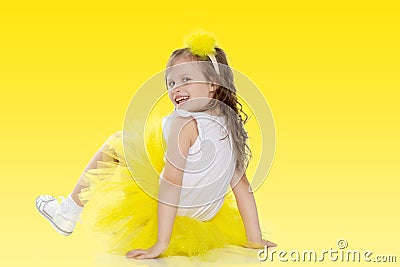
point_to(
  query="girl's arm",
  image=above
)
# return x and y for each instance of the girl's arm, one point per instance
(180, 138)
(248, 210)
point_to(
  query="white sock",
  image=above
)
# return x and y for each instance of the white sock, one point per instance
(70, 210)
(72, 205)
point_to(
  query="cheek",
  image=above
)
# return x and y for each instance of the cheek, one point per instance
(170, 97)
(205, 90)
(199, 91)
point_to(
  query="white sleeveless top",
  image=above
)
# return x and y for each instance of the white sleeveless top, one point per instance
(209, 168)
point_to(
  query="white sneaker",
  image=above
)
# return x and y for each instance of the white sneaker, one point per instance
(61, 218)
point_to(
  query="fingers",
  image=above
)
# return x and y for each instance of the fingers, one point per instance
(151, 253)
(144, 256)
(140, 254)
(269, 243)
(135, 253)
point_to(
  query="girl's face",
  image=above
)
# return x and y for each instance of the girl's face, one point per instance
(188, 89)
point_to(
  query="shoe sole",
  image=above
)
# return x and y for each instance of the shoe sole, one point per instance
(48, 218)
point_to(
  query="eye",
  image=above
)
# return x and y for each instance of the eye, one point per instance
(186, 79)
(171, 84)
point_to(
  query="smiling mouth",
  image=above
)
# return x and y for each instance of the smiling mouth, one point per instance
(181, 100)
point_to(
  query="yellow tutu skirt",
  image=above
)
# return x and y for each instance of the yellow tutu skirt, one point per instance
(126, 217)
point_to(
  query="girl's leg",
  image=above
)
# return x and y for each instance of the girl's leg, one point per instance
(63, 216)
(81, 184)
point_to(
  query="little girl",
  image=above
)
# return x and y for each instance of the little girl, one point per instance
(206, 153)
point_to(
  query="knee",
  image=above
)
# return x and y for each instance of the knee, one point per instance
(117, 134)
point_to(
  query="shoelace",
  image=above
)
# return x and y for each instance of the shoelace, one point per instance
(46, 198)
(68, 213)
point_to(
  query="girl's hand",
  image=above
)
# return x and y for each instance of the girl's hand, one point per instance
(151, 253)
(268, 243)
(260, 244)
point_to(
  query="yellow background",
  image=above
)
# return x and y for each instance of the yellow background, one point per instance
(329, 71)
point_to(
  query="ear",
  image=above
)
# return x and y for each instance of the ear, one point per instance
(213, 87)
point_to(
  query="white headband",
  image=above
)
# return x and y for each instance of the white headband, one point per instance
(214, 62)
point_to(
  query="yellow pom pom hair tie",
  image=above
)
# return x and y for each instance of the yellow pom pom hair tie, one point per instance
(203, 44)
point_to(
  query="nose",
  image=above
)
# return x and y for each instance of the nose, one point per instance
(175, 89)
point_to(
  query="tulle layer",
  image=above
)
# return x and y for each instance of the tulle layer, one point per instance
(125, 216)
